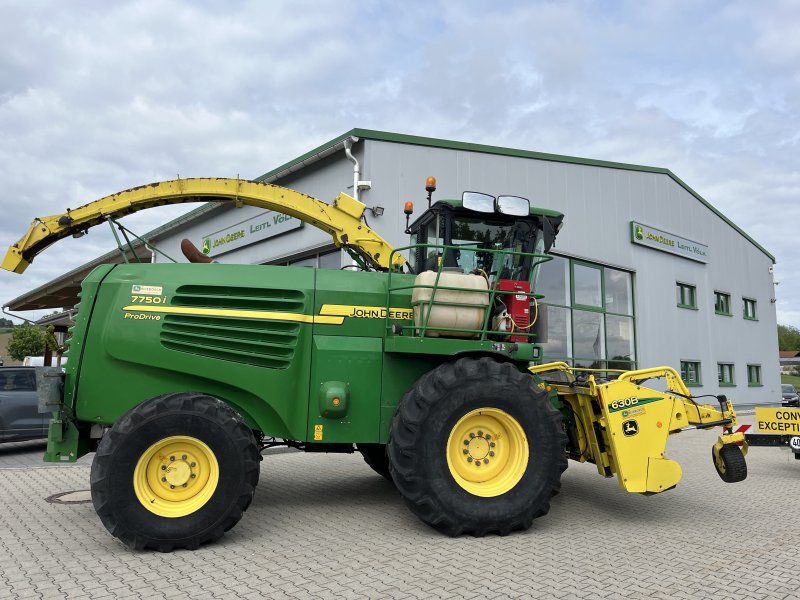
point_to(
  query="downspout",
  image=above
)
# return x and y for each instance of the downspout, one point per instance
(348, 145)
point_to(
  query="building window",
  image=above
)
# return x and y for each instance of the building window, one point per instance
(590, 314)
(322, 260)
(690, 372)
(754, 375)
(750, 309)
(618, 291)
(587, 285)
(722, 303)
(687, 295)
(725, 374)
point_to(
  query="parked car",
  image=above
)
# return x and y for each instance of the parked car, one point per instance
(789, 395)
(20, 418)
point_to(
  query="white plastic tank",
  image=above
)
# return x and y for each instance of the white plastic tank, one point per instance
(451, 308)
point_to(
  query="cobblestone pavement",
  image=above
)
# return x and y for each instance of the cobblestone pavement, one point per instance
(326, 526)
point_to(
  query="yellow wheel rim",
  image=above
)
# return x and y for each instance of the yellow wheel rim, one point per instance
(176, 476)
(487, 452)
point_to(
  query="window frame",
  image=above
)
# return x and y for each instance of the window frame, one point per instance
(751, 382)
(721, 372)
(575, 304)
(726, 295)
(680, 287)
(698, 369)
(572, 306)
(754, 304)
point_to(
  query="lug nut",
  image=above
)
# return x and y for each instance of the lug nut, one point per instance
(192, 465)
(491, 452)
(193, 475)
(163, 479)
(466, 451)
(184, 485)
(466, 442)
(469, 459)
(183, 457)
(172, 487)
(172, 458)
(477, 463)
(488, 437)
(163, 467)
(491, 444)
(471, 435)
(486, 461)
(480, 433)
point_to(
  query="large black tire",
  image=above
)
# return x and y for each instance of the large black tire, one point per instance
(375, 456)
(733, 467)
(121, 459)
(424, 433)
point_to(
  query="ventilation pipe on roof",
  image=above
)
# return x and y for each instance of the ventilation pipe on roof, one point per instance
(358, 185)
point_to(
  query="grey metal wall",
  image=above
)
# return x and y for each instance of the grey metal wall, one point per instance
(599, 203)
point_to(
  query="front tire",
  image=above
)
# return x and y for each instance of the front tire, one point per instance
(175, 472)
(476, 447)
(731, 465)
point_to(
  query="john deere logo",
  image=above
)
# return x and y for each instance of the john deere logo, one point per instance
(639, 232)
(206, 246)
(630, 428)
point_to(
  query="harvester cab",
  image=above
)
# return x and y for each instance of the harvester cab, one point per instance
(503, 239)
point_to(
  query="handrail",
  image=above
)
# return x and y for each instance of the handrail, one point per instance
(492, 291)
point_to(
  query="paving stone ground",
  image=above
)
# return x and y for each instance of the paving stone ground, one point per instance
(326, 526)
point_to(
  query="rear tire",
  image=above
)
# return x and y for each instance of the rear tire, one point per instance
(375, 456)
(175, 472)
(731, 467)
(477, 411)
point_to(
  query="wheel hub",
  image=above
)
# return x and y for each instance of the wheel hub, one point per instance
(478, 447)
(487, 452)
(177, 473)
(176, 476)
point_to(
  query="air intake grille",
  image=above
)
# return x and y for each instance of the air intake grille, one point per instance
(259, 342)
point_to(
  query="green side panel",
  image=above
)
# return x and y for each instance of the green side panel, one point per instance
(77, 337)
(231, 331)
(360, 297)
(400, 371)
(355, 361)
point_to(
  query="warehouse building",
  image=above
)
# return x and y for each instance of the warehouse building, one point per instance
(646, 272)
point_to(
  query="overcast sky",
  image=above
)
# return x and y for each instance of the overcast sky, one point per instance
(97, 97)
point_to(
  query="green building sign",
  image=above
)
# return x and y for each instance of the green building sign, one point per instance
(668, 242)
(252, 230)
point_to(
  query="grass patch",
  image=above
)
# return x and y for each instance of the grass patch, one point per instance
(793, 379)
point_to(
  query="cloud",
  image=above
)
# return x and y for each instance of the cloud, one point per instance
(98, 97)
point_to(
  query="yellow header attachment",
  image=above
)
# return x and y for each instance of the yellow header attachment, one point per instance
(342, 219)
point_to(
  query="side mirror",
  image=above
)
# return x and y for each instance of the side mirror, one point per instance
(478, 202)
(513, 205)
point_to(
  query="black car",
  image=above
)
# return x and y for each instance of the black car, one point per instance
(20, 418)
(789, 395)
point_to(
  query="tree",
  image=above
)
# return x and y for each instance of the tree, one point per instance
(788, 337)
(26, 340)
(6, 324)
